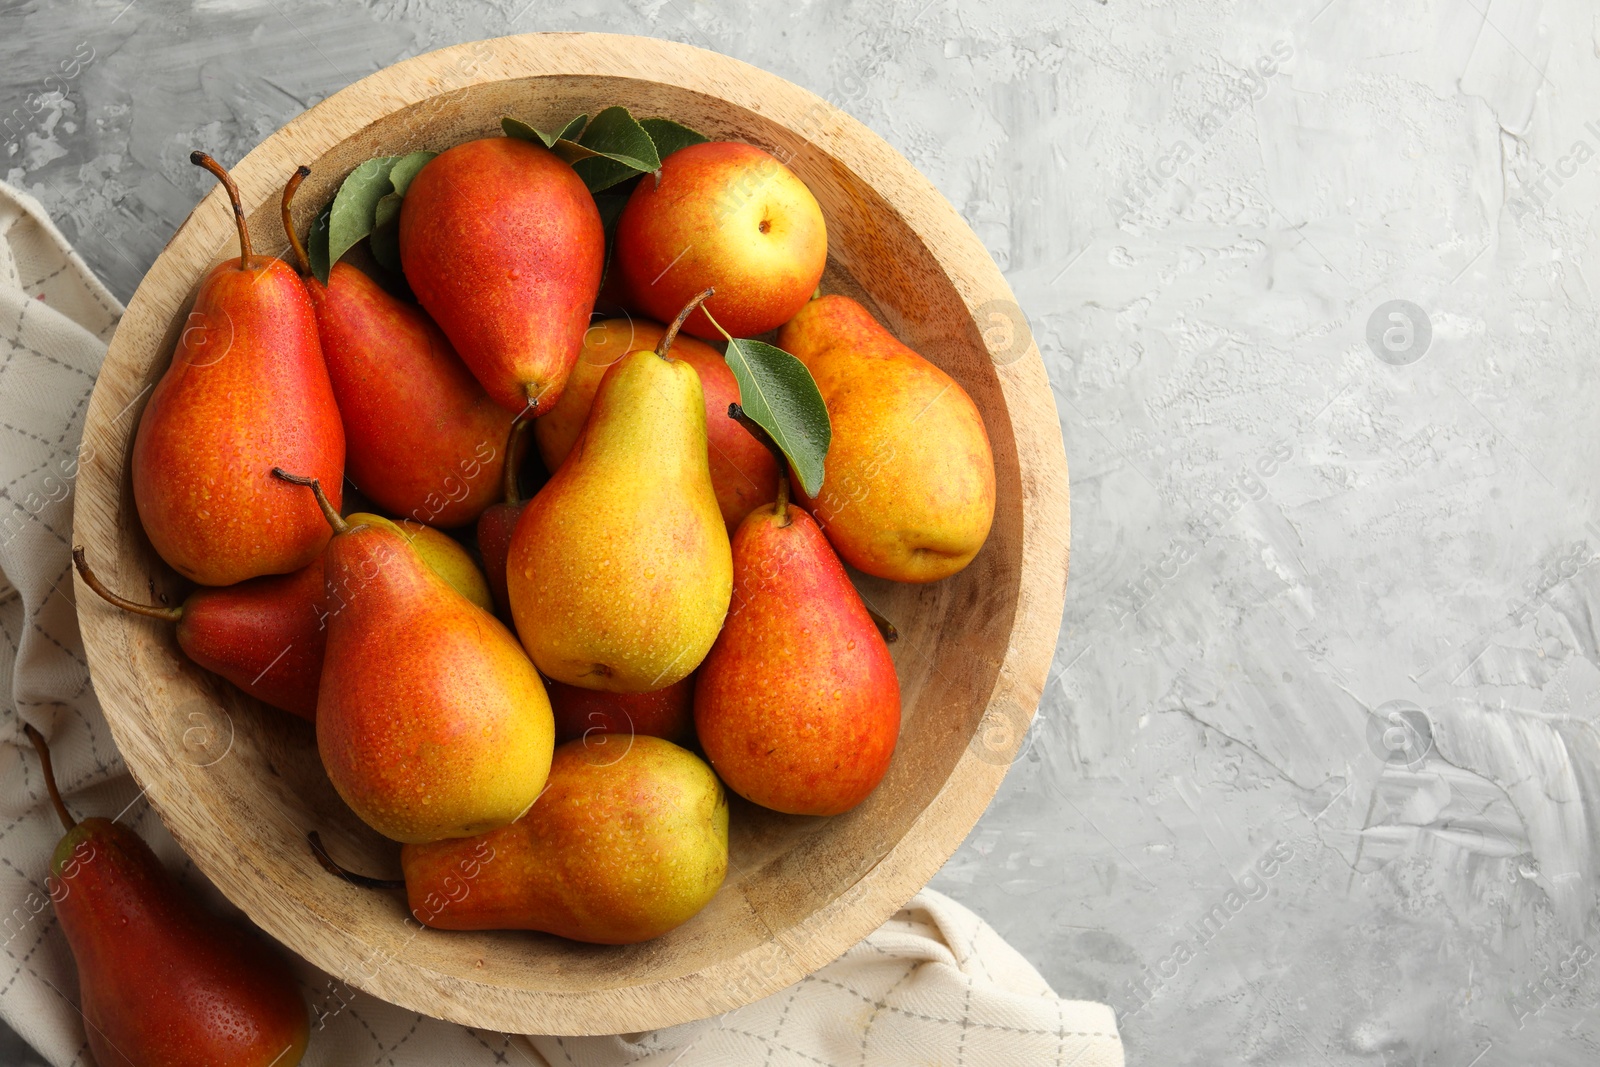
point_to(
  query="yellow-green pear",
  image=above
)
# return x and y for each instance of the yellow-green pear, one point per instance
(431, 722)
(619, 571)
(629, 841)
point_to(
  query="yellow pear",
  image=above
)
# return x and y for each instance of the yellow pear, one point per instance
(909, 492)
(619, 571)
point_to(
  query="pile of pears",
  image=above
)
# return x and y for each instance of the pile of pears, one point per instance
(544, 697)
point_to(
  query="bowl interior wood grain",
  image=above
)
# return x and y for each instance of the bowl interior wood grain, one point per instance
(240, 784)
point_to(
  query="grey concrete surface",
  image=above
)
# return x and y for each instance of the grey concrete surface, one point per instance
(1315, 780)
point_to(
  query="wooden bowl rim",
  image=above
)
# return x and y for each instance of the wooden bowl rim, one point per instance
(821, 937)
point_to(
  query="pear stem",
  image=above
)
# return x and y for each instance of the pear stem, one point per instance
(677, 324)
(301, 261)
(334, 519)
(707, 313)
(89, 579)
(518, 427)
(200, 159)
(780, 507)
(314, 839)
(39, 746)
(881, 621)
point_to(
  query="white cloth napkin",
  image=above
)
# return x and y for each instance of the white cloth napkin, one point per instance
(935, 984)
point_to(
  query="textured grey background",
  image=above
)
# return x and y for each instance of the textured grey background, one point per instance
(1317, 767)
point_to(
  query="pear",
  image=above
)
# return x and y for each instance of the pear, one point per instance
(267, 635)
(247, 390)
(743, 473)
(797, 706)
(499, 521)
(502, 243)
(909, 493)
(619, 570)
(264, 635)
(628, 841)
(422, 436)
(667, 713)
(431, 722)
(160, 979)
(604, 345)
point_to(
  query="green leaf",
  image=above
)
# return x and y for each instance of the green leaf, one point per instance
(778, 392)
(563, 144)
(355, 206)
(405, 168)
(572, 151)
(610, 149)
(600, 173)
(670, 136)
(610, 205)
(354, 213)
(522, 131)
(387, 210)
(622, 146)
(615, 135)
(385, 239)
(317, 245)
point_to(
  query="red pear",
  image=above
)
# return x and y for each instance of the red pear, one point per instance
(503, 246)
(422, 437)
(160, 979)
(265, 635)
(247, 390)
(797, 706)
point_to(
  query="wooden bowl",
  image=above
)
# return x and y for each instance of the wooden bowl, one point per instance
(240, 784)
